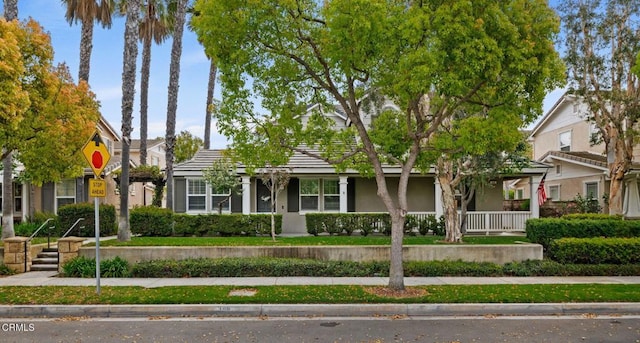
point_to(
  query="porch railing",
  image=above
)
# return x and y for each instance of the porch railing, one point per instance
(489, 221)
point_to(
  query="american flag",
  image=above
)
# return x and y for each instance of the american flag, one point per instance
(542, 194)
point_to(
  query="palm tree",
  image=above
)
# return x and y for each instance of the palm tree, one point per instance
(87, 11)
(10, 13)
(172, 101)
(10, 9)
(213, 69)
(128, 92)
(156, 25)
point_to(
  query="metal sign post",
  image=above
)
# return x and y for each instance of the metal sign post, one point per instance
(97, 154)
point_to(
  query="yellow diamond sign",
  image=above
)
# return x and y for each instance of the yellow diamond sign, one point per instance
(96, 153)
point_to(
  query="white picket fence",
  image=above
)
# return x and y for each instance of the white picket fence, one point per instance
(490, 221)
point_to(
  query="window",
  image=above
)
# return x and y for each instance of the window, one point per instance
(558, 169)
(155, 160)
(591, 190)
(565, 141)
(263, 197)
(17, 197)
(519, 193)
(554, 192)
(196, 195)
(309, 194)
(216, 199)
(65, 192)
(331, 197)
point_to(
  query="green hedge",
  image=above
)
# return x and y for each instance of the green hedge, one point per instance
(151, 221)
(594, 216)
(86, 267)
(68, 214)
(368, 223)
(545, 230)
(278, 267)
(224, 224)
(596, 250)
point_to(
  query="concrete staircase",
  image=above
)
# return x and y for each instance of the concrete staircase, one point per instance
(47, 260)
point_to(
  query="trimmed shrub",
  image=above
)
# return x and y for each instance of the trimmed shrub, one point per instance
(277, 267)
(545, 230)
(596, 250)
(68, 214)
(256, 267)
(115, 267)
(26, 229)
(336, 223)
(151, 221)
(79, 267)
(4, 270)
(234, 224)
(86, 267)
(592, 216)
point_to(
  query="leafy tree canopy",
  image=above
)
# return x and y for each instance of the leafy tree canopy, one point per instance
(186, 146)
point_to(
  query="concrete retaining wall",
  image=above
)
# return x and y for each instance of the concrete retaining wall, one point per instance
(473, 253)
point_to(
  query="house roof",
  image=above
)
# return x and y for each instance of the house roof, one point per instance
(300, 163)
(578, 157)
(564, 98)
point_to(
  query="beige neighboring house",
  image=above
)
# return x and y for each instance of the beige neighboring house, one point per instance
(141, 194)
(29, 199)
(562, 139)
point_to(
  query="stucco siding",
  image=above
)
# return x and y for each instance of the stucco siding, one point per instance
(489, 199)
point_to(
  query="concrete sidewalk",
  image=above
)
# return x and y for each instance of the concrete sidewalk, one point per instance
(327, 310)
(50, 279)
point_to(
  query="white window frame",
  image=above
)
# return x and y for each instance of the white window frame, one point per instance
(558, 169)
(565, 147)
(316, 195)
(586, 189)
(325, 194)
(214, 204)
(190, 195)
(551, 187)
(58, 186)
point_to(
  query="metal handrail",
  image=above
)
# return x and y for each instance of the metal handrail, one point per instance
(31, 237)
(71, 228)
(38, 230)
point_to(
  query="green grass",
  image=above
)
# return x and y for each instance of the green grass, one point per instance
(318, 294)
(306, 240)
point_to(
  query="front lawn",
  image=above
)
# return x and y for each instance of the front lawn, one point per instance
(319, 294)
(305, 240)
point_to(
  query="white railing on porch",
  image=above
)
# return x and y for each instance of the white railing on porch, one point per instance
(490, 221)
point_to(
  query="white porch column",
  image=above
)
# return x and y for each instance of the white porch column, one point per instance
(343, 194)
(246, 195)
(534, 206)
(438, 195)
(631, 206)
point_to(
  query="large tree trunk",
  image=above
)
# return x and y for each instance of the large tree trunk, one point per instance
(7, 197)
(210, 89)
(144, 97)
(618, 166)
(450, 207)
(10, 9)
(86, 45)
(172, 102)
(128, 94)
(396, 270)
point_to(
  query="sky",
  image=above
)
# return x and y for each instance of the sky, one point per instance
(106, 72)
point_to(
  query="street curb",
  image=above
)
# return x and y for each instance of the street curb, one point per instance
(313, 310)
